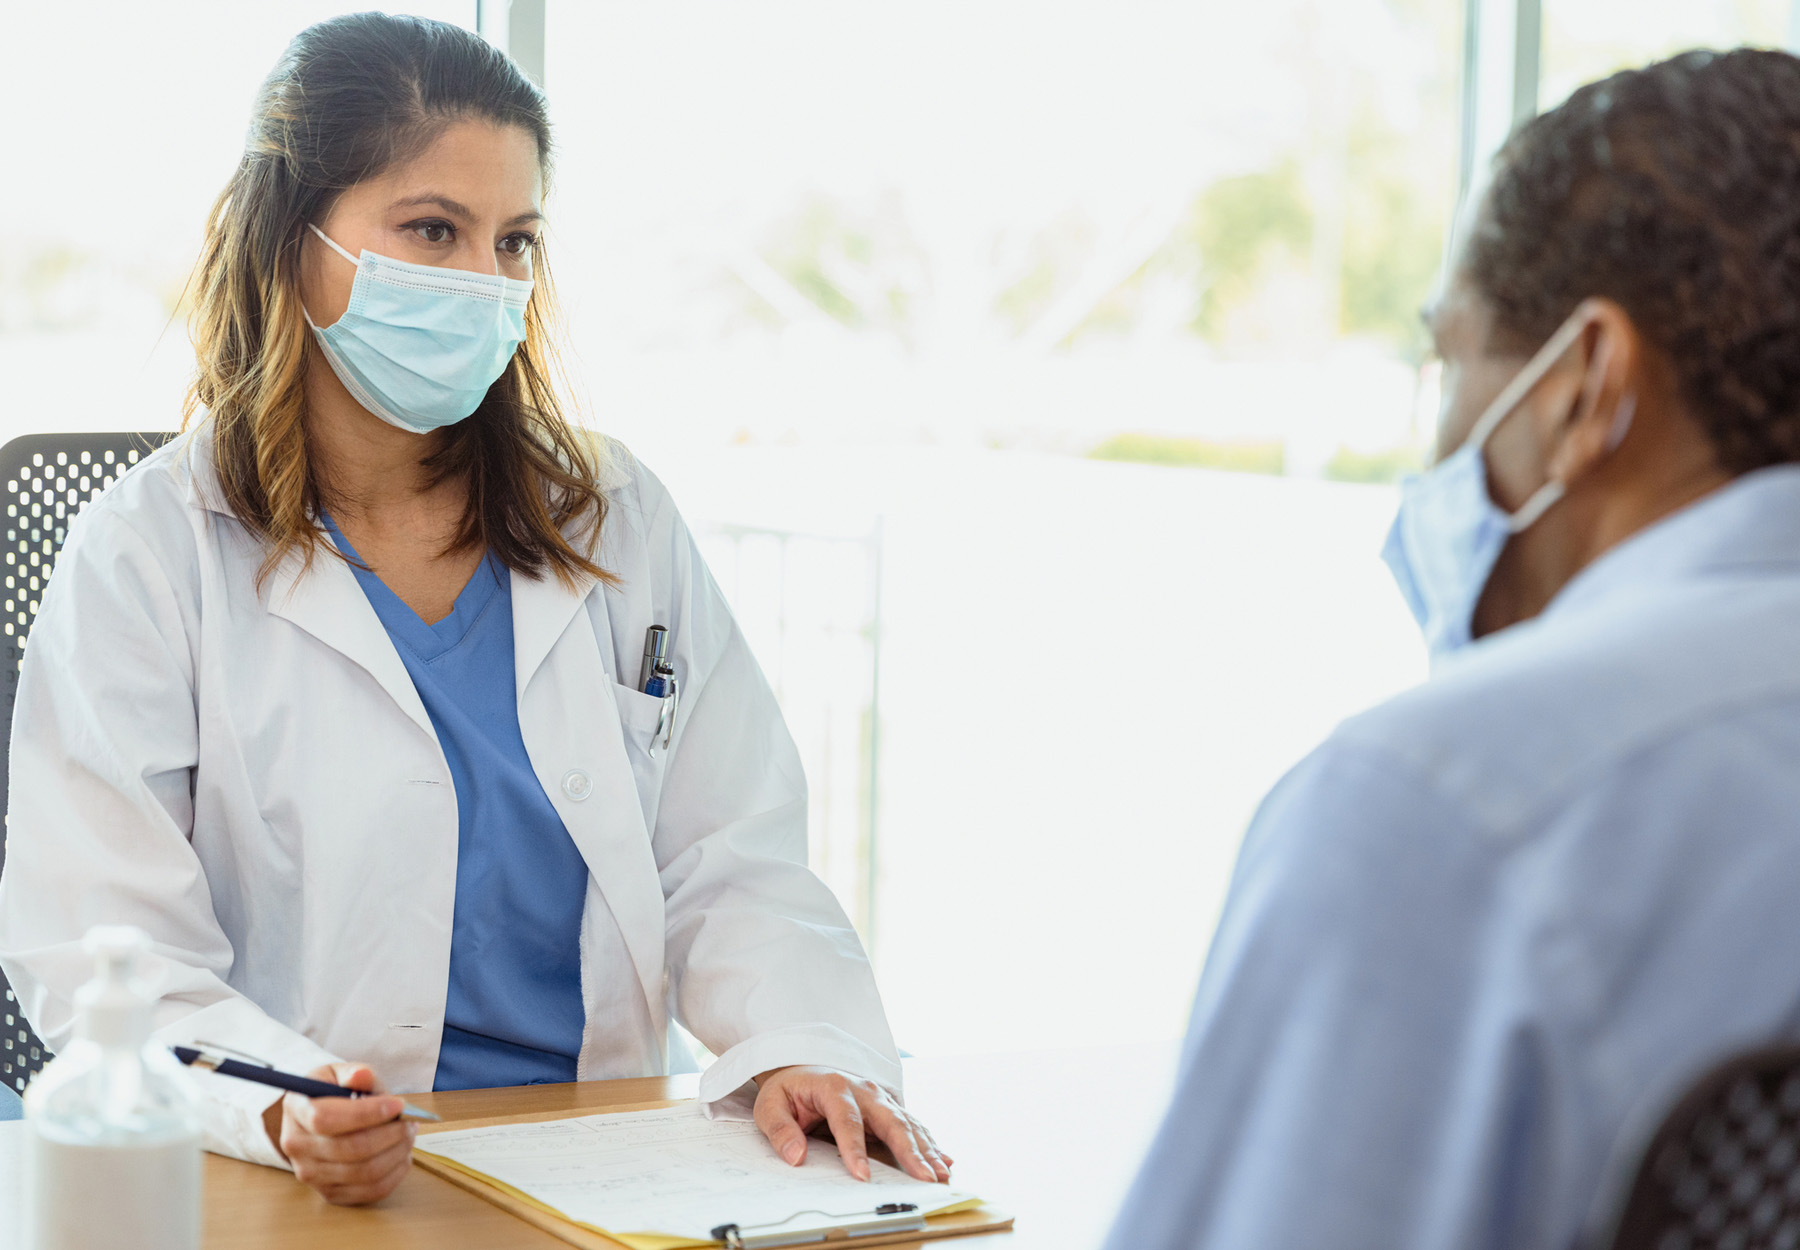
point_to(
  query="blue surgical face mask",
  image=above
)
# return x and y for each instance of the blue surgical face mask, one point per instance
(1449, 533)
(419, 346)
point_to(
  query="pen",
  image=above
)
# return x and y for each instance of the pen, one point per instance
(656, 652)
(264, 1075)
(657, 679)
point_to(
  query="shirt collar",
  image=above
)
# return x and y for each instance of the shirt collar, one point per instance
(1754, 520)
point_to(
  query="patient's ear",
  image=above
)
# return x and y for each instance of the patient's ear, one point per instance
(1609, 354)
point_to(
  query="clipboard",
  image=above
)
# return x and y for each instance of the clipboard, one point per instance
(864, 1229)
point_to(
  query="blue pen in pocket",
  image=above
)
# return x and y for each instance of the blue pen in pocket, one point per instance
(658, 681)
(662, 682)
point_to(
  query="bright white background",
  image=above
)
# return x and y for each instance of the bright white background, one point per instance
(870, 285)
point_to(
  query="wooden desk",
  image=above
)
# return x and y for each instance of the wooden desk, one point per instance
(1052, 1137)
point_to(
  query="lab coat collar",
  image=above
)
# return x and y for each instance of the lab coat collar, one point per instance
(543, 608)
(327, 603)
(1751, 522)
(321, 596)
(205, 493)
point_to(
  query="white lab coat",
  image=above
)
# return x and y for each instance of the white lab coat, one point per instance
(249, 776)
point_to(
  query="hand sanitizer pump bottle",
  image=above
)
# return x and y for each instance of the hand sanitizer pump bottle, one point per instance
(114, 1151)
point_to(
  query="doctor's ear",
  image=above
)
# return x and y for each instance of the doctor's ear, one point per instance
(1596, 412)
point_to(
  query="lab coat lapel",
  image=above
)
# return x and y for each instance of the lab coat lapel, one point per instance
(569, 719)
(542, 610)
(327, 603)
(322, 597)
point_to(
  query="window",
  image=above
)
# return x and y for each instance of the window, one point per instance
(1588, 39)
(1069, 352)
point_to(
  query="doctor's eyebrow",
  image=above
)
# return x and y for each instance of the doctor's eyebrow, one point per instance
(456, 209)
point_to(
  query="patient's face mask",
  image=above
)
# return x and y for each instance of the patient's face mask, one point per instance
(1449, 533)
(419, 345)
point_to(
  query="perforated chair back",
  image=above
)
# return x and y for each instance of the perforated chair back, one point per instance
(1722, 1171)
(46, 479)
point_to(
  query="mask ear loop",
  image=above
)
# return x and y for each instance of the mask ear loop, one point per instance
(333, 245)
(1546, 497)
(1552, 491)
(1528, 377)
(1509, 398)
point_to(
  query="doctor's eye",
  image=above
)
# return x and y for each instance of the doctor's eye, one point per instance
(433, 231)
(518, 243)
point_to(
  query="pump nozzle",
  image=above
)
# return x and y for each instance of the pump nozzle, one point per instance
(115, 1008)
(113, 945)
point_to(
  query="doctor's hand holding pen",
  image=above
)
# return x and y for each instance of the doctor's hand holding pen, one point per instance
(792, 1101)
(352, 1150)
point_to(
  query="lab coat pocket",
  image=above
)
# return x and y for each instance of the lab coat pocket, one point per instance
(646, 722)
(640, 714)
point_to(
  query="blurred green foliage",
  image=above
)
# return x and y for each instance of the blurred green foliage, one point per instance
(1194, 453)
(1393, 237)
(1053, 254)
(858, 264)
(1236, 233)
(804, 249)
(1336, 232)
(44, 289)
(1380, 466)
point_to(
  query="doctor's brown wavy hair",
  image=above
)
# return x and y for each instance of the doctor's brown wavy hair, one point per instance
(350, 98)
(1673, 190)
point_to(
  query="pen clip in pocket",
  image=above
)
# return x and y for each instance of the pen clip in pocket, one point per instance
(665, 724)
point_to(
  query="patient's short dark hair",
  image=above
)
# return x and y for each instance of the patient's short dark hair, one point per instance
(1673, 190)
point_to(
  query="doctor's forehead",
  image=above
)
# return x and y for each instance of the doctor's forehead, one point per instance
(481, 168)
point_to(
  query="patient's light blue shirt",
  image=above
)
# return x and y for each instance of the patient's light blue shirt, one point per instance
(1492, 923)
(514, 1015)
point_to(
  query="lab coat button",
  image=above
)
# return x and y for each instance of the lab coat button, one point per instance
(577, 785)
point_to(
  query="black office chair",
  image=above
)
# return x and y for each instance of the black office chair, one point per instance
(1722, 1171)
(46, 480)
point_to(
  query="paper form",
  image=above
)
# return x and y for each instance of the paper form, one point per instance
(675, 1173)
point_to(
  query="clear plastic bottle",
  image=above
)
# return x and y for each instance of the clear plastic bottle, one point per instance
(114, 1153)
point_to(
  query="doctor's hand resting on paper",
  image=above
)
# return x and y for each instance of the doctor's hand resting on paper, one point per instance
(791, 1101)
(341, 696)
(1480, 940)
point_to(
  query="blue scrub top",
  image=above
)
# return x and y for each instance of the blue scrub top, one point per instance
(514, 1015)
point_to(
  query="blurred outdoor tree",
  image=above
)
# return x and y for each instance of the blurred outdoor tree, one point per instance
(1339, 234)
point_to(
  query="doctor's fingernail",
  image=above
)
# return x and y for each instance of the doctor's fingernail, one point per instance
(791, 1152)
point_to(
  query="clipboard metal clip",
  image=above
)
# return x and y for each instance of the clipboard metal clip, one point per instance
(889, 1217)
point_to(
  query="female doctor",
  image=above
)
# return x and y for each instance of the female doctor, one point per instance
(337, 695)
